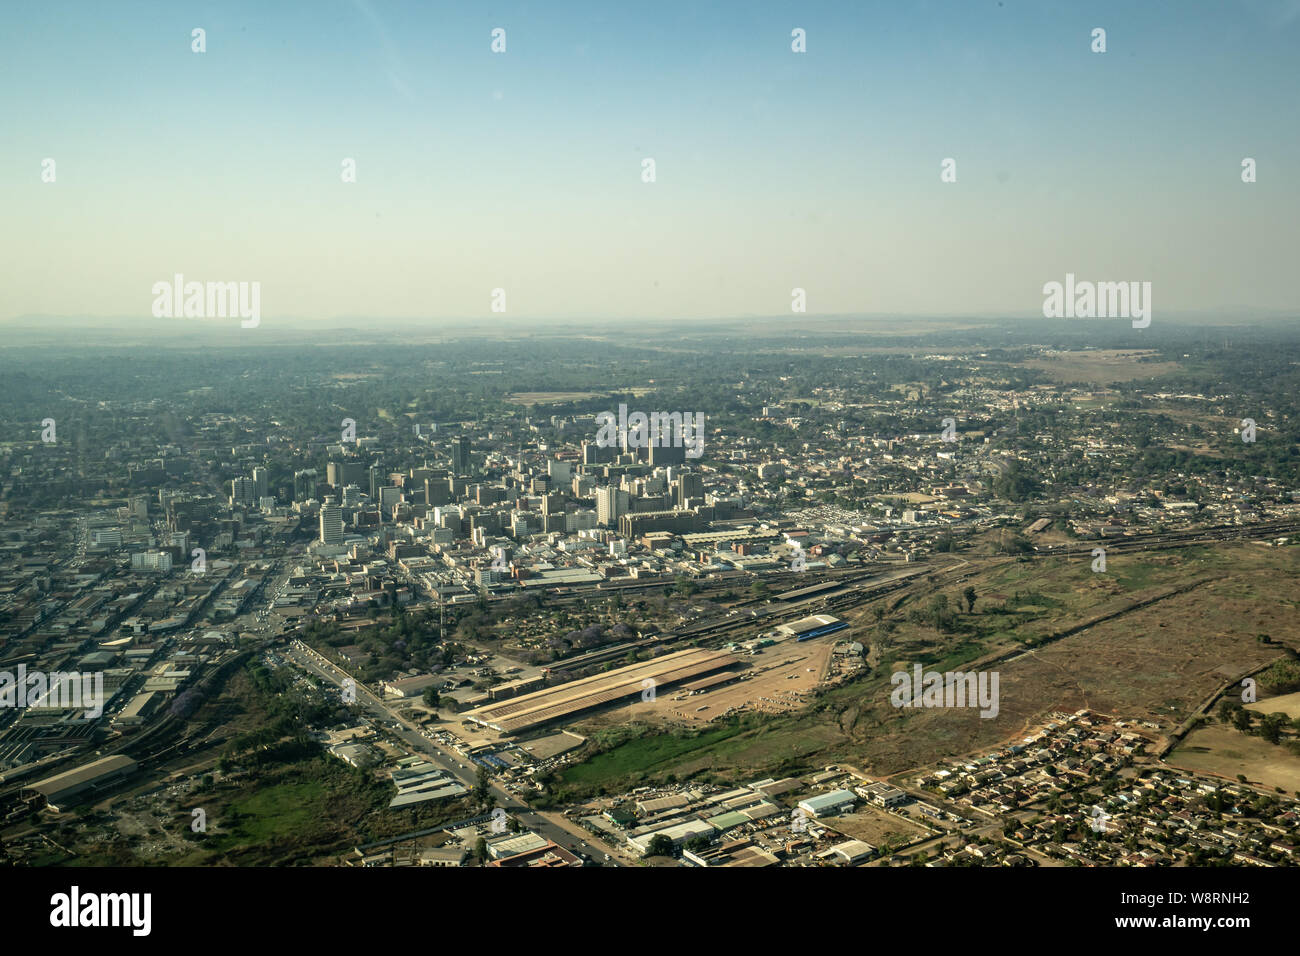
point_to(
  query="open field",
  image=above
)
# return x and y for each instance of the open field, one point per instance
(1102, 365)
(549, 398)
(1148, 640)
(1288, 704)
(877, 827)
(1228, 752)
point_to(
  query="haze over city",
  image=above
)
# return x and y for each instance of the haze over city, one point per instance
(522, 170)
(446, 438)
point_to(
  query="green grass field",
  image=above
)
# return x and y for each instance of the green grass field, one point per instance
(281, 811)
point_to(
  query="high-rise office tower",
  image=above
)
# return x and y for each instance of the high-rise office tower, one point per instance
(261, 480)
(611, 504)
(460, 458)
(670, 455)
(331, 522)
(593, 454)
(304, 484)
(389, 495)
(689, 486)
(437, 491)
(340, 473)
(243, 491)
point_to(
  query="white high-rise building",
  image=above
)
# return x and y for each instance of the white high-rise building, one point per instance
(151, 561)
(331, 522)
(611, 504)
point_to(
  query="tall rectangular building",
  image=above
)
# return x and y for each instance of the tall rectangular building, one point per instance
(670, 455)
(689, 486)
(243, 491)
(304, 484)
(331, 522)
(437, 491)
(611, 504)
(460, 457)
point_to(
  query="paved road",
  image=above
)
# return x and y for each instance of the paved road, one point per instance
(458, 766)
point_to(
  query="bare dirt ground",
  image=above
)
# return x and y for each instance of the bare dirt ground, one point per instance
(549, 398)
(1288, 704)
(778, 680)
(1103, 365)
(876, 827)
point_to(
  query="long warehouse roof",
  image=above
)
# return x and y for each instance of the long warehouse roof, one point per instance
(553, 703)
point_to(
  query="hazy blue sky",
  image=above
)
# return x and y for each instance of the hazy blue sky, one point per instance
(523, 170)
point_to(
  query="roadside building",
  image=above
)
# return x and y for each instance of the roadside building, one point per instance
(829, 804)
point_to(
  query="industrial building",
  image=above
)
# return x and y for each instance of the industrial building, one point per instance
(829, 804)
(512, 844)
(735, 853)
(418, 780)
(807, 628)
(548, 854)
(883, 794)
(71, 787)
(853, 851)
(520, 714)
(407, 687)
(679, 834)
(138, 710)
(514, 688)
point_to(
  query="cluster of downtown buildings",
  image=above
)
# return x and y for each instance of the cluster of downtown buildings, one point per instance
(144, 561)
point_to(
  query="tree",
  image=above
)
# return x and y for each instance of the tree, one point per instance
(1270, 727)
(480, 850)
(969, 595)
(1228, 710)
(660, 845)
(431, 697)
